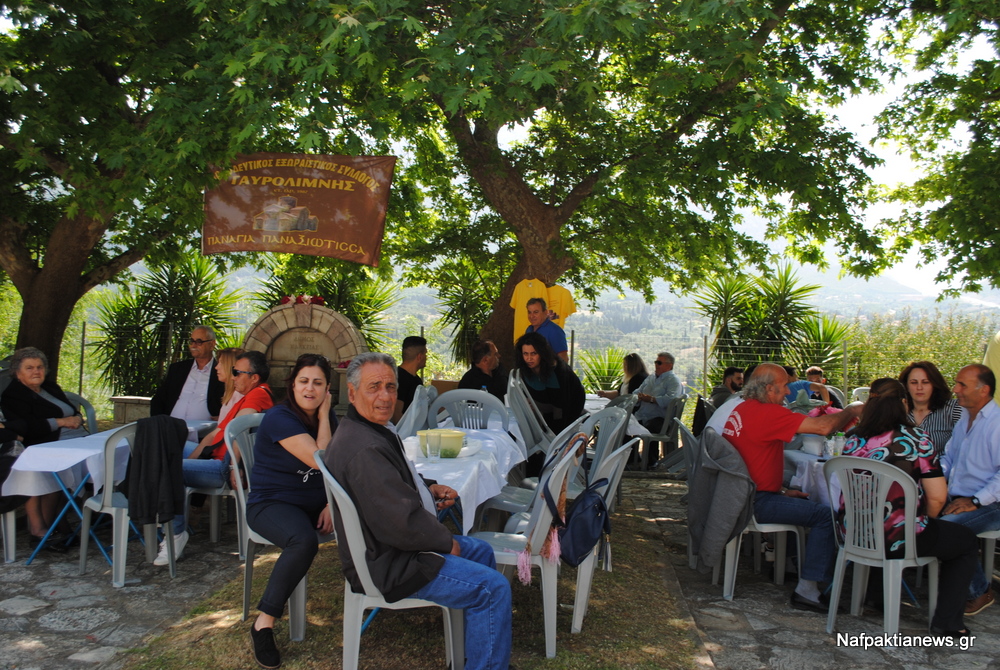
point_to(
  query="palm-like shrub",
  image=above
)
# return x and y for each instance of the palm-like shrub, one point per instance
(602, 371)
(144, 327)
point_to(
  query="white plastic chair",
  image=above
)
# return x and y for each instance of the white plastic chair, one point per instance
(415, 416)
(865, 485)
(609, 424)
(534, 415)
(297, 601)
(611, 468)
(240, 432)
(860, 394)
(508, 546)
(626, 401)
(468, 408)
(110, 501)
(989, 538)
(834, 391)
(780, 547)
(84, 406)
(517, 499)
(9, 526)
(516, 407)
(674, 409)
(355, 604)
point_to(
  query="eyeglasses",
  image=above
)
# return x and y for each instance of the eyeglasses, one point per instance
(240, 372)
(659, 362)
(199, 342)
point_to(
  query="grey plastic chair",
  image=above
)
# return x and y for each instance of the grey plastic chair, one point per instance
(240, 433)
(415, 416)
(626, 401)
(468, 408)
(355, 604)
(86, 409)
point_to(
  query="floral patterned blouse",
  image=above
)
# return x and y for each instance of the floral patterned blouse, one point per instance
(910, 450)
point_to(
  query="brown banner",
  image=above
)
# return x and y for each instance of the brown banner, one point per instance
(301, 204)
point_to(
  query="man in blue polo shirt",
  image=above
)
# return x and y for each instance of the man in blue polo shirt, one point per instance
(538, 317)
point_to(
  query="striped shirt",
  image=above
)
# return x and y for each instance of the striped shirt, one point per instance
(940, 423)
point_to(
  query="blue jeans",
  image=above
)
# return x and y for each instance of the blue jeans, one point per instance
(200, 473)
(471, 582)
(820, 544)
(986, 517)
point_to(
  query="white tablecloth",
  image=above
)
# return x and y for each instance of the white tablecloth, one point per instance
(595, 403)
(31, 474)
(476, 478)
(809, 476)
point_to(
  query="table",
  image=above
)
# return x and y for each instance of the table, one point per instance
(479, 477)
(66, 465)
(809, 476)
(593, 404)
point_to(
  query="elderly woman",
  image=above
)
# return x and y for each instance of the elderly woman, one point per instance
(38, 411)
(885, 433)
(932, 409)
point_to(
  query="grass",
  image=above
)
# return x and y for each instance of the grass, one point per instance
(632, 621)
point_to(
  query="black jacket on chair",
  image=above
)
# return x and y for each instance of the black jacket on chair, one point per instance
(156, 475)
(28, 413)
(166, 396)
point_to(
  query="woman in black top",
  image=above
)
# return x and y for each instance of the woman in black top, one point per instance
(553, 386)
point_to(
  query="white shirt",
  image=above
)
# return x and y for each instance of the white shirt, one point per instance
(718, 419)
(192, 403)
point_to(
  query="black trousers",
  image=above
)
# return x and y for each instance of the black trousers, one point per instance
(294, 530)
(957, 549)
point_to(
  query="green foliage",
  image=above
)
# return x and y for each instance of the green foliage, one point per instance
(882, 345)
(606, 144)
(949, 120)
(146, 327)
(465, 296)
(602, 371)
(821, 342)
(353, 290)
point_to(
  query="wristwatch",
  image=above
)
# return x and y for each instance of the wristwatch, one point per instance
(975, 501)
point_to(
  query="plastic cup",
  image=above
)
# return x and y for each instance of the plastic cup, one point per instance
(434, 447)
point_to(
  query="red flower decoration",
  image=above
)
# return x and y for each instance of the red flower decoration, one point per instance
(287, 299)
(299, 300)
(317, 300)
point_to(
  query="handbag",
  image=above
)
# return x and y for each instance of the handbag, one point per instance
(587, 522)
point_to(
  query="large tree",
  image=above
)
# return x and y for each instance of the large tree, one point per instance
(949, 119)
(601, 142)
(112, 114)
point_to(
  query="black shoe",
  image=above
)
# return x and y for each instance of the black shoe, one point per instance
(265, 652)
(56, 543)
(953, 634)
(802, 603)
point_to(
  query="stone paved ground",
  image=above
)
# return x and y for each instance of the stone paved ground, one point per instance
(51, 618)
(759, 629)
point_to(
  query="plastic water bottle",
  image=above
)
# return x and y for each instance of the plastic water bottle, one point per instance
(838, 444)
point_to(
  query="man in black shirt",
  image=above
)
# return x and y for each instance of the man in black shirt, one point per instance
(486, 370)
(414, 360)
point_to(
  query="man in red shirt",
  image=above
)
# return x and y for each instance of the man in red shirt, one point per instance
(758, 428)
